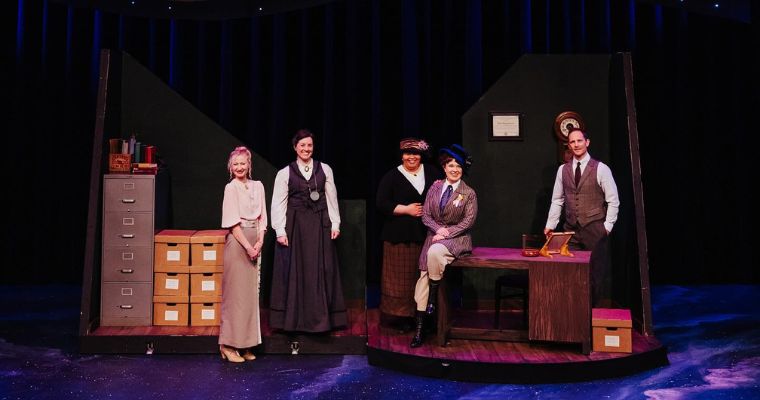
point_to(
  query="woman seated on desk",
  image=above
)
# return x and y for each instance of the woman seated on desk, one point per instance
(449, 213)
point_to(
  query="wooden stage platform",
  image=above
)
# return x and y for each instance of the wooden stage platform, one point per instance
(203, 339)
(504, 362)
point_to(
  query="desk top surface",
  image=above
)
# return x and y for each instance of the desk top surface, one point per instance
(487, 256)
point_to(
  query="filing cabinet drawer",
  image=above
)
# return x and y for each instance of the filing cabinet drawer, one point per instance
(126, 304)
(128, 229)
(132, 194)
(127, 264)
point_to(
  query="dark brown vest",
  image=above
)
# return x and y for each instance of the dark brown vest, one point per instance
(583, 204)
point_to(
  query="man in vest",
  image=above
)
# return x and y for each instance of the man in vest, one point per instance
(586, 189)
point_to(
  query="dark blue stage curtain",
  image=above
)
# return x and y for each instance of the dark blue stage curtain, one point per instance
(362, 74)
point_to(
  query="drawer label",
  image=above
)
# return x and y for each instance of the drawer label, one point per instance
(172, 255)
(208, 314)
(172, 284)
(208, 286)
(209, 255)
(126, 291)
(171, 315)
(611, 341)
(127, 256)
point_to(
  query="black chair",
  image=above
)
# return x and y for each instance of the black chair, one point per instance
(515, 285)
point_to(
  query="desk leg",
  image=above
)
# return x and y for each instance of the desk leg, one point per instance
(444, 315)
(586, 347)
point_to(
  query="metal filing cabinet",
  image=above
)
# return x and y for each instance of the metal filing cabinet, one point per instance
(127, 259)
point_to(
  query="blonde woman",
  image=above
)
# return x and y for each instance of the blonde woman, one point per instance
(244, 214)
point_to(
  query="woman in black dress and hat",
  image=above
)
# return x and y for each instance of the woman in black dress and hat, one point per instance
(400, 195)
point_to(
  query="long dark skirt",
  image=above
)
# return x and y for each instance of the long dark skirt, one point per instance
(400, 274)
(307, 295)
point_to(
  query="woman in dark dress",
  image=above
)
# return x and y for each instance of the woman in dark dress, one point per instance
(307, 295)
(400, 195)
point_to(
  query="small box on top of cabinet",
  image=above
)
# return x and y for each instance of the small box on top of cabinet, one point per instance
(172, 247)
(207, 247)
(611, 330)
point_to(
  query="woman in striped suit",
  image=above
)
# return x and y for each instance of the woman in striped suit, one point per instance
(449, 213)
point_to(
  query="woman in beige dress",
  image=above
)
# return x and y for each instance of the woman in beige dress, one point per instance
(244, 214)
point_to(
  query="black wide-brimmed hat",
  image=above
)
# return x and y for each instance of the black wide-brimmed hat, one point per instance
(459, 154)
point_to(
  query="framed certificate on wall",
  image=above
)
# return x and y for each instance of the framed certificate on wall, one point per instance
(504, 126)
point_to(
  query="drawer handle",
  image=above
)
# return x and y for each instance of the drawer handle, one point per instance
(128, 236)
(127, 270)
(127, 201)
(125, 307)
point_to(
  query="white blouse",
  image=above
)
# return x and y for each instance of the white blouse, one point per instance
(280, 198)
(244, 201)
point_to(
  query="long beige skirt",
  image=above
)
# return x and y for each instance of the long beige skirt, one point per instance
(240, 325)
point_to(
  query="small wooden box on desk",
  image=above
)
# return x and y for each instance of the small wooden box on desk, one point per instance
(206, 269)
(611, 330)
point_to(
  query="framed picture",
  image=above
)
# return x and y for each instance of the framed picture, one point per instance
(504, 126)
(556, 243)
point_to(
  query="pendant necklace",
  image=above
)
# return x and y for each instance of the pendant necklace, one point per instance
(314, 196)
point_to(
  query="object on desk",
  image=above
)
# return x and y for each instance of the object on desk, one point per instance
(532, 244)
(611, 330)
(556, 243)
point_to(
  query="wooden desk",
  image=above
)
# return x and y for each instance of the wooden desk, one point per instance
(559, 298)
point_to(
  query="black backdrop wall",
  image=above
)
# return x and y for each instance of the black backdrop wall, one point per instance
(363, 74)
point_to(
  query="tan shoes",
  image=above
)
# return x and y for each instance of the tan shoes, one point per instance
(248, 355)
(230, 354)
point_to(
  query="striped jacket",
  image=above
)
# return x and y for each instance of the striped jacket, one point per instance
(458, 217)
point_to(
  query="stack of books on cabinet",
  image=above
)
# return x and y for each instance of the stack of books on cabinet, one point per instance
(188, 277)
